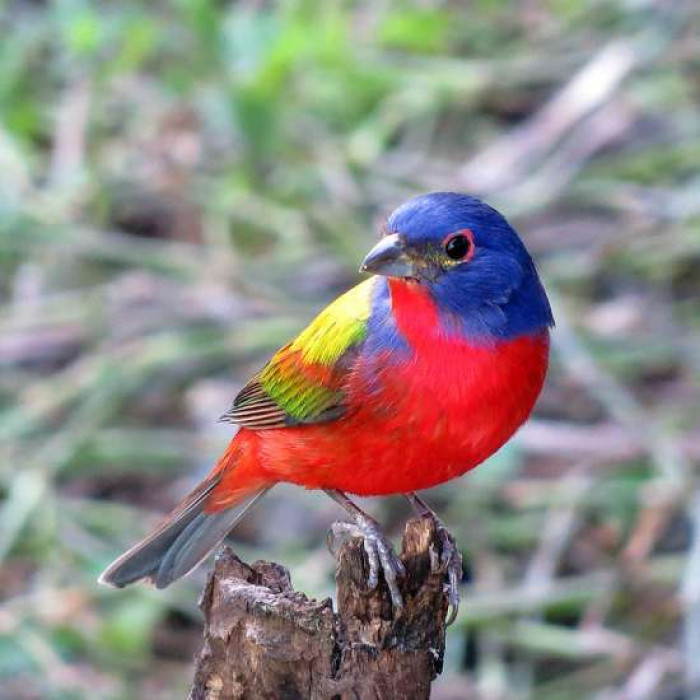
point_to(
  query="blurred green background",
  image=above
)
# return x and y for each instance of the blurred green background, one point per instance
(184, 184)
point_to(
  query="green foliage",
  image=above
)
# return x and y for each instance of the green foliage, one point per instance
(423, 30)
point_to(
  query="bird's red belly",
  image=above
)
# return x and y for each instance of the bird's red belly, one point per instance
(426, 421)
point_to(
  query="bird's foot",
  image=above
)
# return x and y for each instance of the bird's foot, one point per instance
(450, 559)
(379, 550)
(449, 562)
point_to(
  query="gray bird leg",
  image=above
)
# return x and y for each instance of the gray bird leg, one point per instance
(380, 553)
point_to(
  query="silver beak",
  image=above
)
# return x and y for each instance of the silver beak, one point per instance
(388, 258)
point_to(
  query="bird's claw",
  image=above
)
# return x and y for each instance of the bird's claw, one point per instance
(450, 562)
(379, 551)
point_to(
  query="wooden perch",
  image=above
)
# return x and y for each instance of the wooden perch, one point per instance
(264, 640)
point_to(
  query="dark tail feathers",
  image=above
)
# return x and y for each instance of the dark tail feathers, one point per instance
(180, 543)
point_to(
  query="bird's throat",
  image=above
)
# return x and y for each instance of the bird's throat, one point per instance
(414, 309)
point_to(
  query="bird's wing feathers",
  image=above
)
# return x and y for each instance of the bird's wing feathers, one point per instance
(304, 382)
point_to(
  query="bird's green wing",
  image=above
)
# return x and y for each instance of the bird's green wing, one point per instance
(304, 382)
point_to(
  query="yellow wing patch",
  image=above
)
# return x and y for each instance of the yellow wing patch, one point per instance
(303, 382)
(341, 324)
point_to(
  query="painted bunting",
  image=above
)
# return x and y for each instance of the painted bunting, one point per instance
(408, 380)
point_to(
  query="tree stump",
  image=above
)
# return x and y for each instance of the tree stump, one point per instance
(264, 640)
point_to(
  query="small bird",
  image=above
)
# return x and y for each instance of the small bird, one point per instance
(408, 380)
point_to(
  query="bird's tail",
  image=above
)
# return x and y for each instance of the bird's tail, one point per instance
(185, 537)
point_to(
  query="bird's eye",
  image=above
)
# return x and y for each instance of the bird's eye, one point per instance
(458, 246)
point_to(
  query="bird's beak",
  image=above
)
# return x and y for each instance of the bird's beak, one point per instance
(388, 258)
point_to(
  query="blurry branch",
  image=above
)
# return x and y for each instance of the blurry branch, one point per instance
(135, 449)
(644, 681)
(559, 526)
(670, 464)
(602, 443)
(561, 642)
(467, 77)
(435, 82)
(481, 607)
(597, 131)
(655, 203)
(70, 133)
(174, 257)
(510, 159)
(586, 109)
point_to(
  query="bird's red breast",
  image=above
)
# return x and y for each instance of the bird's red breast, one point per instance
(415, 418)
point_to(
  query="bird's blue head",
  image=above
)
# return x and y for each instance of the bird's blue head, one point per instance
(476, 267)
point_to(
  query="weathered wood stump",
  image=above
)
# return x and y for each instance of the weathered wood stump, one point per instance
(265, 640)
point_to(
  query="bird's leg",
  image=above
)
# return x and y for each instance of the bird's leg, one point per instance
(380, 553)
(450, 558)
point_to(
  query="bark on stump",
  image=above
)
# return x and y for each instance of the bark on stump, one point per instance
(264, 640)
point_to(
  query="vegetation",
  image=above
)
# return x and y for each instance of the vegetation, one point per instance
(183, 184)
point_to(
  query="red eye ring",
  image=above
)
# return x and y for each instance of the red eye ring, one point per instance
(459, 246)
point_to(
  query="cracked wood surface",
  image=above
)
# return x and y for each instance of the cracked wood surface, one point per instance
(264, 640)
